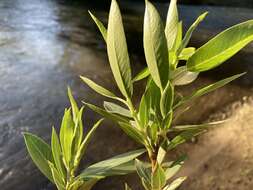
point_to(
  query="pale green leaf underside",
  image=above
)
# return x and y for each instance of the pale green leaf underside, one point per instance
(175, 184)
(117, 109)
(155, 46)
(101, 168)
(171, 24)
(181, 76)
(117, 51)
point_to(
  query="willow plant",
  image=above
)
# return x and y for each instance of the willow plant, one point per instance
(61, 162)
(151, 121)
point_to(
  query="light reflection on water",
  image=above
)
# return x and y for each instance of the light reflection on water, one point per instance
(44, 46)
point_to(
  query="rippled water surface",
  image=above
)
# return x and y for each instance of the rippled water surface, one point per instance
(44, 46)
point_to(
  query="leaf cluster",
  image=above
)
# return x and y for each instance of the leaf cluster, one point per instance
(170, 63)
(60, 162)
(150, 122)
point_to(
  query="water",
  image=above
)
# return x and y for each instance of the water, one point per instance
(44, 47)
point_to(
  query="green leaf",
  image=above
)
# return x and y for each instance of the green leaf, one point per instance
(149, 109)
(117, 51)
(158, 178)
(175, 184)
(104, 113)
(100, 25)
(116, 109)
(179, 128)
(78, 132)
(66, 137)
(155, 46)
(122, 169)
(40, 153)
(179, 37)
(132, 132)
(143, 171)
(181, 76)
(183, 137)
(74, 106)
(152, 132)
(142, 75)
(207, 89)
(161, 154)
(58, 179)
(221, 47)
(85, 142)
(99, 89)
(57, 153)
(171, 24)
(173, 56)
(174, 167)
(166, 101)
(188, 34)
(102, 168)
(186, 53)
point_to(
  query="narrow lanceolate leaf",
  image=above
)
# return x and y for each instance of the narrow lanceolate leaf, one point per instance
(104, 113)
(78, 132)
(155, 46)
(167, 99)
(194, 127)
(179, 36)
(174, 168)
(117, 51)
(74, 106)
(161, 155)
(142, 75)
(132, 132)
(57, 153)
(207, 89)
(158, 178)
(100, 25)
(181, 76)
(221, 47)
(66, 136)
(58, 179)
(171, 24)
(99, 89)
(183, 137)
(40, 153)
(175, 184)
(149, 108)
(143, 171)
(116, 109)
(189, 33)
(85, 143)
(101, 169)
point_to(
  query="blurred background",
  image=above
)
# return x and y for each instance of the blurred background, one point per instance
(46, 44)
